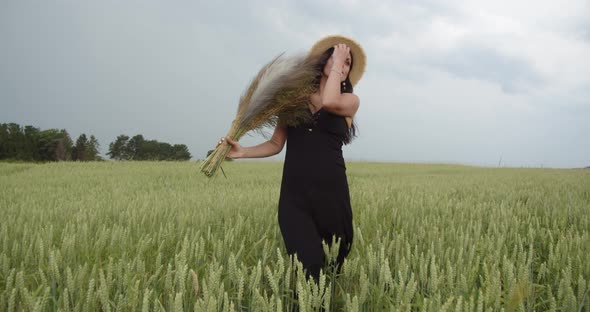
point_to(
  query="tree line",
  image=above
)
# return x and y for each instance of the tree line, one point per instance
(29, 143)
(138, 148)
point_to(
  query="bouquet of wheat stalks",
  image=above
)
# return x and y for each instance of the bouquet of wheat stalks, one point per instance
(278, 94)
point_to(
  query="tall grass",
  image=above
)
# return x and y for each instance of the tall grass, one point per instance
(151, 236)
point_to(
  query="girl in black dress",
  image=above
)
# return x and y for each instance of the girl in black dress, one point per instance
(314, 202)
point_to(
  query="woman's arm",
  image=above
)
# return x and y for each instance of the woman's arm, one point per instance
(345, 104)
(269, 148)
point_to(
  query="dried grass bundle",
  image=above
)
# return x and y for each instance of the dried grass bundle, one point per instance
(278, 94)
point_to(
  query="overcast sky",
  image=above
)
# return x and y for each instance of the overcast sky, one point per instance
(468, 82)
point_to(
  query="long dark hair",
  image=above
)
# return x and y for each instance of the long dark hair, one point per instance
(345, 87)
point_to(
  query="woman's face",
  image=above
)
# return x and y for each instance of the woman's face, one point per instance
(345, 67)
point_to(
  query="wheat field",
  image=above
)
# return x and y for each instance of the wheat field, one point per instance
(160, 236)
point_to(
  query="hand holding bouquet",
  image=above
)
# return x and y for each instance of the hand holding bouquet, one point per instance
(279, 93)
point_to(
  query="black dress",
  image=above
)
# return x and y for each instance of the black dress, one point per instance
(314, 202)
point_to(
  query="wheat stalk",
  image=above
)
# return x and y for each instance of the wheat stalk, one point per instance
(195, 283)
(279, 93)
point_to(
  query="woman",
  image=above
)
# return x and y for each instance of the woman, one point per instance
(314, 203)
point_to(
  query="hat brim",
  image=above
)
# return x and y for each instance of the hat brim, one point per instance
(359, 58)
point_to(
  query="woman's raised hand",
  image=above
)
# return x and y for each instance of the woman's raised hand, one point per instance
(341, 52)
(236, 151)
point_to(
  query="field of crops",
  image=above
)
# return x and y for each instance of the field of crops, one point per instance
(151, 236)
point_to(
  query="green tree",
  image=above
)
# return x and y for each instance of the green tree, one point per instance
(64, 146)
(48, 143)
(29, 150)
(150, 150)
(181, 152)
(4, 135)
(14, 140)
(79, 151)
(118, 149)
(138, 148)
(31, 144)
(92, 149)
(165, 151)
(134, 147)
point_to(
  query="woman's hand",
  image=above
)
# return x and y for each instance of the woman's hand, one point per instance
(341, 52)
(236, 151)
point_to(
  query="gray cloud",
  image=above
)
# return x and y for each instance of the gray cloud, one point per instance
(512, 74)
(441, 85)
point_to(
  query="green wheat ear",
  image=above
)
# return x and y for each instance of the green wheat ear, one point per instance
(130, 235)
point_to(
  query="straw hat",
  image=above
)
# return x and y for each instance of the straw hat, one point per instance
(359, 58)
